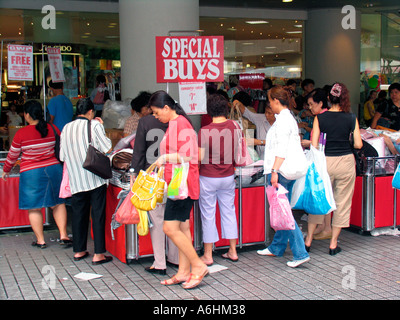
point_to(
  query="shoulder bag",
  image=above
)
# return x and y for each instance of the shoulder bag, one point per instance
(97, 162)
(57, 144)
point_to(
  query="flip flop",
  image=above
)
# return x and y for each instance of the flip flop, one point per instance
(39, 245)
(172, 282)
(197, 279)
(105, 260)
(227, 257)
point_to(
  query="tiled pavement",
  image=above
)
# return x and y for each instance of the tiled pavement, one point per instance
(367, 268)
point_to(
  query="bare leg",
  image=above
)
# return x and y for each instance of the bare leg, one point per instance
(335, 235)
(60, 217)
(36, 221)
(207, 257)
(189, 261)
(310, 233)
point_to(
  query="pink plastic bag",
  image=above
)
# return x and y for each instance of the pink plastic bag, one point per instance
(280, 212)
(127, 213)
(65, 190)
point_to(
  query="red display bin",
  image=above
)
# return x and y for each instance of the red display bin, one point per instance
(11, 217)
(375, 203)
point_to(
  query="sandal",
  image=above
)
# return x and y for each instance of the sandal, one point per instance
(196, 279)
(172, 281)
(227, 256)
(39, 245)
(66, 243)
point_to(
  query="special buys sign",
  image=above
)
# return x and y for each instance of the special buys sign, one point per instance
(190, 59)
(20, 62)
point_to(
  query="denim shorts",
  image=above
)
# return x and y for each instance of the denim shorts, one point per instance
(40, 188)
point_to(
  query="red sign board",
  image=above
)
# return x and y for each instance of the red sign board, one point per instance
(190, 59)
(251, 80)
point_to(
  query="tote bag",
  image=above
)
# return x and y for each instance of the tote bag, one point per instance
(148, 189)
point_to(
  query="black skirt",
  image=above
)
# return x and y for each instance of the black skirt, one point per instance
(178, 210)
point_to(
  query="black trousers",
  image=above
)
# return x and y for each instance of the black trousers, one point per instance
(81, 203)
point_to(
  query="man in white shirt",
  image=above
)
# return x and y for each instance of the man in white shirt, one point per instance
(263, 123)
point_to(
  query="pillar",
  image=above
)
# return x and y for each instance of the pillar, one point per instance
(140, 22)
(332, 53)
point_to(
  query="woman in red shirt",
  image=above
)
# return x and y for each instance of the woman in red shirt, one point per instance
(40, 173)
(179, 142)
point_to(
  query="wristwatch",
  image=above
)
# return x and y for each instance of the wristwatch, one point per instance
(274, 170)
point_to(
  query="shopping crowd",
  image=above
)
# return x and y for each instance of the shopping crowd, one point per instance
(282, 121)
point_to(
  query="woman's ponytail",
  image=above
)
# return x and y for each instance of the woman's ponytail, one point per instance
(34, 109)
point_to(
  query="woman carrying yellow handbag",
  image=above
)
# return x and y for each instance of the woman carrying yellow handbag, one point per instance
(180, 141)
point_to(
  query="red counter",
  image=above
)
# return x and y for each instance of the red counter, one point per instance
(252, 223)
(10, 216)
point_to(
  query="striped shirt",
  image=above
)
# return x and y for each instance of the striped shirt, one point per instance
(37, 152)
(74, 144)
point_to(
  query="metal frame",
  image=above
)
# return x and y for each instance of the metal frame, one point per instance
(368, 192)
(132, 238)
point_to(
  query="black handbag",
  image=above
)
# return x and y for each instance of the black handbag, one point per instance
(57, 144)
(97, 162)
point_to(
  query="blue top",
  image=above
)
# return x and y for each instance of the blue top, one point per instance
(61, 108)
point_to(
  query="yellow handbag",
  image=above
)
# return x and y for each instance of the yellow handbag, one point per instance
(148, 189)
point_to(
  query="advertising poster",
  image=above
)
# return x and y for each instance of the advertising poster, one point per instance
(190, 59)
(56, 64)
(20, 62)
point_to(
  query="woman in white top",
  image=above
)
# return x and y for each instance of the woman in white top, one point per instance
(88, 190)
(282, 136)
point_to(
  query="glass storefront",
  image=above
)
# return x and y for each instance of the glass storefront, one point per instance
(380, 52)
(269, 47)
(89, 44)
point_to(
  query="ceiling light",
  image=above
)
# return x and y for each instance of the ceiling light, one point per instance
(257, 22)
(298, 26)
(293, 32)
(270, 47)
(247, 43)
(287, 0)
(231, 29)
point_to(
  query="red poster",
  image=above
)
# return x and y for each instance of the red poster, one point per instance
(251, 80)
(190, 59)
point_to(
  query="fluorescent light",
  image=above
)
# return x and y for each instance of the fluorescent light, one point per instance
(298, 26)
(293, 32)
(287, 0)
(257, 22)
(247, 43)
(270, 47)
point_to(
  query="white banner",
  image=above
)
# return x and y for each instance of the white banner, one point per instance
(20, 62)
(56, 64)
(193, 97)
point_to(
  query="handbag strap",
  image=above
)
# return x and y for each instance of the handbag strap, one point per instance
(54, 130)
(90, 131)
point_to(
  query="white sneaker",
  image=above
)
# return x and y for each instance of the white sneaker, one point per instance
(265, 252)
(296, 263)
